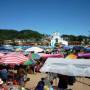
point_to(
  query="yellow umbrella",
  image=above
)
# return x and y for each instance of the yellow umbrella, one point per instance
(71, 56)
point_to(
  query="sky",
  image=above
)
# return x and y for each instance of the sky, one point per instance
(46, 16)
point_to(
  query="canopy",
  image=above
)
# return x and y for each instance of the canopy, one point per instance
(77, 67)
(13, 58)
(52, 55)
(78, 48)
(34, 49)
(87, 55)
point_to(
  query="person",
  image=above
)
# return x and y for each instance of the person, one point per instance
(51, 85)
(1, 84)
(21, 76)
(21, 81)
(40, 85)
(4, 74)
(21, 71)
(2, 87)
(63, 82)
(47, 83)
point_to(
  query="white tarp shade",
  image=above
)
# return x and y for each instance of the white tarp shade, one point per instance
(75, 67)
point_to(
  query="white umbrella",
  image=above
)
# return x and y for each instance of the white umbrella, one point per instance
(34, 49)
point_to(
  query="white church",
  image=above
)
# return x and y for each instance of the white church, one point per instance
(57, 38)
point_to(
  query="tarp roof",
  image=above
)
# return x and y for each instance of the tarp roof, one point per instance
(74, 67)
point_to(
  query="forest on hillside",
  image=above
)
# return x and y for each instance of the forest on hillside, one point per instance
(7, 34)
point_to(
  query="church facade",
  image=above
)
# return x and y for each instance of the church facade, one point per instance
(57, 39)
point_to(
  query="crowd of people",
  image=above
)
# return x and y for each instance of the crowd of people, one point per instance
(19, 78)
(10, 79)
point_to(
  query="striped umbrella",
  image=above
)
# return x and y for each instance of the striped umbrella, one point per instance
(1, 55)
(14, 58)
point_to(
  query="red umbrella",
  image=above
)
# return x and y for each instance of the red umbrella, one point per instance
(13, 58)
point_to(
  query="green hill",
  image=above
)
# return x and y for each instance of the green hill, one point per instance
(6, 34)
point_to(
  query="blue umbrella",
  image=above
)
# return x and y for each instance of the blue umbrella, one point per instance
(78, 48)
(67, 47)
(87, 49)
(4, 50)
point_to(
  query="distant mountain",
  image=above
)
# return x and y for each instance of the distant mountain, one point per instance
(6, 34)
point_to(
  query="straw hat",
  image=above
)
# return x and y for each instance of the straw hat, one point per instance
(1, 82)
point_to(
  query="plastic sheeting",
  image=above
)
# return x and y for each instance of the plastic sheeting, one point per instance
(75, 67)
